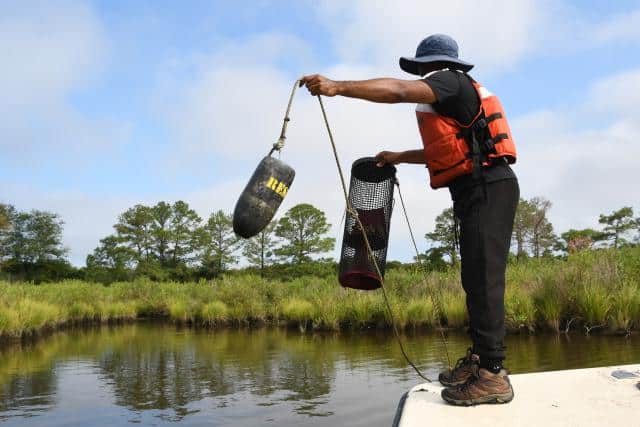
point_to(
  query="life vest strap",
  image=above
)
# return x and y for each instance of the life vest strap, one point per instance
(480, 123)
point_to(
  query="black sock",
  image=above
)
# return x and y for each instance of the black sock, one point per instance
(491, 365)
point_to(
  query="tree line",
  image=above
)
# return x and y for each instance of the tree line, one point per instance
(533, 234)
(172, 242)
(162, 242)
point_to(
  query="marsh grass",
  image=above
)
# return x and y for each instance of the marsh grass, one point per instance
(625, 307)
(520, 311)
(454, 309)
(298, 311)
(598, 288)
(593, 303)
(549, 303)
(214, 313)
(421, 313)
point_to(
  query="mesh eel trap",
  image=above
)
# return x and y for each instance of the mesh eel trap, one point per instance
(371, 196)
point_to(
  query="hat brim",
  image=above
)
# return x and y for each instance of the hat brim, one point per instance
(412, 65)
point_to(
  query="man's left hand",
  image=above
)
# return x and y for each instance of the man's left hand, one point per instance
(319, 85)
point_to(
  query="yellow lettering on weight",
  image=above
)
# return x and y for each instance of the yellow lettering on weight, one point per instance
(272, 183)
(278, 187)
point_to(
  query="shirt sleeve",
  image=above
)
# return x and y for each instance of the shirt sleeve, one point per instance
(444, 85)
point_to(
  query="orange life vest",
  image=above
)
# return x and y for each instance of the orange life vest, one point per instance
(451, 149)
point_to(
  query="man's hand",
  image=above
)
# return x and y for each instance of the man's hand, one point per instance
(320, 85)
(388, 157)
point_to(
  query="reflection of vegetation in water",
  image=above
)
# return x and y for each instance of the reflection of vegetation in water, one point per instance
(35, 390)
(155, 367)
(27, 378)
(165, 368)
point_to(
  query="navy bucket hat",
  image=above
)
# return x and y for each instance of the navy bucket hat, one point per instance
(435, 48)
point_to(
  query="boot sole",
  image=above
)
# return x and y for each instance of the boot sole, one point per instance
(490, 399)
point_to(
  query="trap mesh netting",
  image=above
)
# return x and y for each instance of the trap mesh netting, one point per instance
(371, 195)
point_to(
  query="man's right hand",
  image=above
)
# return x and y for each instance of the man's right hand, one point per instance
(388, 157)
(319, 85)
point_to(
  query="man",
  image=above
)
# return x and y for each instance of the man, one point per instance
(467, 147)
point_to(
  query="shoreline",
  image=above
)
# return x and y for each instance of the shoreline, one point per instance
(590, 292)
(35, 336)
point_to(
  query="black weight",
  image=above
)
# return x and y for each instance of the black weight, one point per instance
(371, 195)
(262, 197)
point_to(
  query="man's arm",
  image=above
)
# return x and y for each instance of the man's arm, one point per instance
(396, 157)
(385, 90)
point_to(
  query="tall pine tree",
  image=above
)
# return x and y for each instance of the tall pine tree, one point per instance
(302, 230)
(259, 250)
(219, 243)
(444, 235)
(617, 224)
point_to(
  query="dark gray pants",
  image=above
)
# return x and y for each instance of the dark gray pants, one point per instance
(486, 213)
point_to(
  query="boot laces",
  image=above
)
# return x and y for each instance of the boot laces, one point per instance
(465, 388)
(464, 360)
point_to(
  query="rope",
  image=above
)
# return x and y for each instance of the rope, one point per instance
(437, 301)
(351, 211)
(279, 144)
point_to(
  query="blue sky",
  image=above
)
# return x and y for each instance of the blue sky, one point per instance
(109, 103)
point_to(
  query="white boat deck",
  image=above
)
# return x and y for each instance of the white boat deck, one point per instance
(580, 397)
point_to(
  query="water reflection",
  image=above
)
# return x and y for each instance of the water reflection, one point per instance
(34, 391)
(250, 377)
(27, 381)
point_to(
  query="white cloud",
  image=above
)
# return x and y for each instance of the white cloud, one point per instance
(584, 160)
(231, 103)
(50, 51)
(617, 95)
(494, 35)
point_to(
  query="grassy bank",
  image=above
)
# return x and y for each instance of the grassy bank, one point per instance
(597, 290)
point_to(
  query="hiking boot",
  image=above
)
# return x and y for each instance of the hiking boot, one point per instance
(483, 387)
(464, 369)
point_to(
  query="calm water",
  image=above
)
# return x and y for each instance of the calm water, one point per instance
(162, 375)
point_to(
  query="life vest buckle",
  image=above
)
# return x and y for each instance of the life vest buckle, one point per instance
(480, 124)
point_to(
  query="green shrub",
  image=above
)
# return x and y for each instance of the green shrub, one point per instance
(549, 305)
(36, 315)
(454, 308)
(421, 313)
(80, 311)
(625, 307)
(297, 311)
(519, 309)
(593, 304)
(118, 311)
(214, 313)
(182, 311)
(366, 309)
(9, 322)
